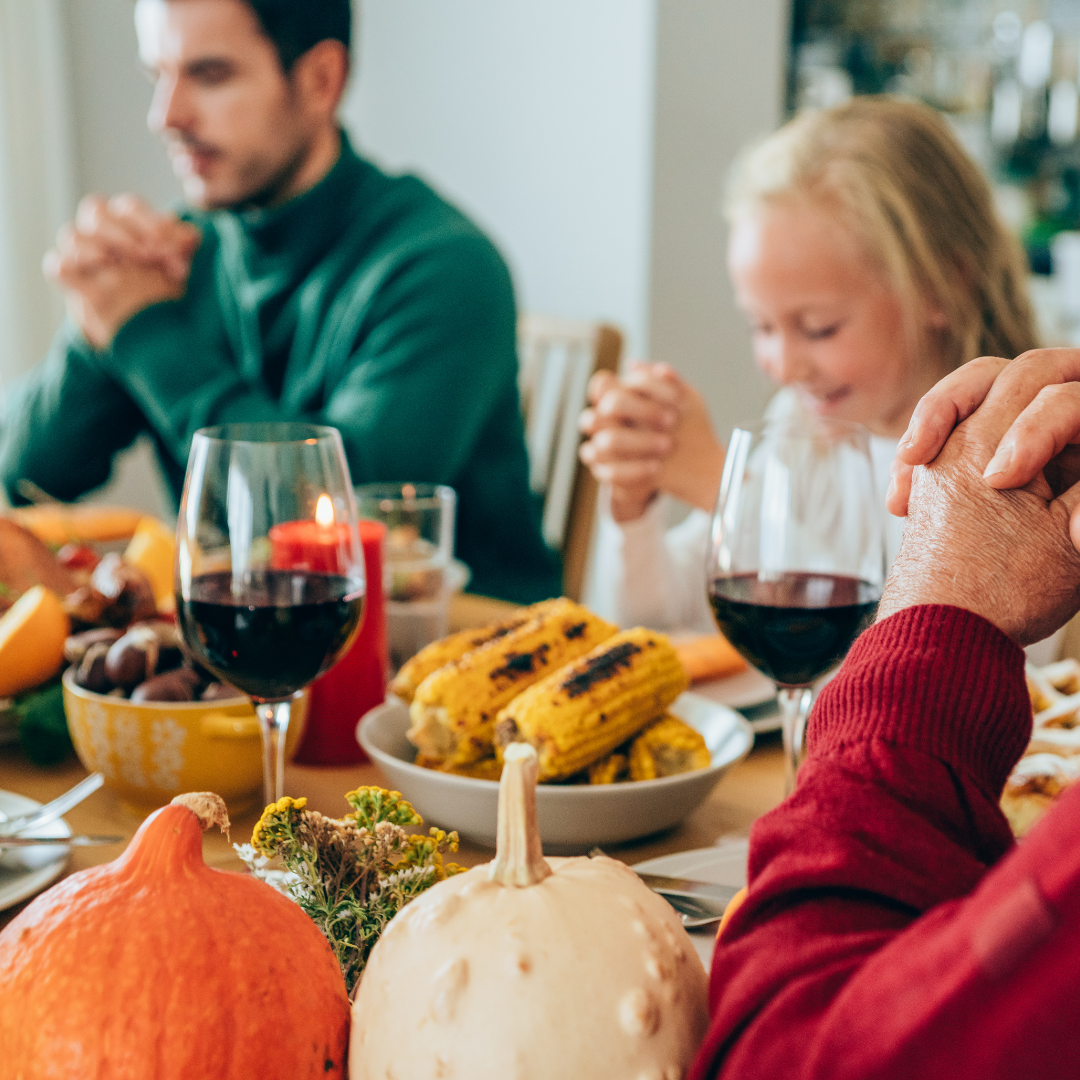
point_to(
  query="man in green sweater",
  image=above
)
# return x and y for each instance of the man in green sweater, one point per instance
(303, 284)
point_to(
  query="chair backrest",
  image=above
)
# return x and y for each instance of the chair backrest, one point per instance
(558, 357)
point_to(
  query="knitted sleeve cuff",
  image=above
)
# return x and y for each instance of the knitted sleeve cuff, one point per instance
(932, 678)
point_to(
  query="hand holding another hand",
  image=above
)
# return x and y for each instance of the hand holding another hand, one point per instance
(993, 539)
(650, 433)
(118, 257)
(1036, 402)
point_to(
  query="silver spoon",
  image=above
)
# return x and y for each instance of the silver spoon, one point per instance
(693, 913)
(51, 810)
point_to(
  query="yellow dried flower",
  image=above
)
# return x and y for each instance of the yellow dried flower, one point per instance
(427, 851)
(276, 825)
(374, 804)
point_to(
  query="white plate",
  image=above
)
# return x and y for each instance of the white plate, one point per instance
(747, 690)
(723, 864)
(572, 818)
(27, 871)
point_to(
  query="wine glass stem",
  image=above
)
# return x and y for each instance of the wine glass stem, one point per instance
(794, 709)
(274, 720)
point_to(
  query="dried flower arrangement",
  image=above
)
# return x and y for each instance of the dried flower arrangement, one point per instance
(352, 875)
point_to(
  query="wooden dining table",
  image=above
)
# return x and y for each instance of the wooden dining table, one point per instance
(745, 792)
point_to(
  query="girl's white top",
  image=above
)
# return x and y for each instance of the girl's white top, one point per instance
(646, 576)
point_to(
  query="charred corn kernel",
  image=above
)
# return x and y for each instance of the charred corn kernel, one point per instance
(453, 711)
(667, 747)
(489, 768)
(448, 649)
(609, 770)
(576, 716)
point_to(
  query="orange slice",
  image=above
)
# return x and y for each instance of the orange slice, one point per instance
(153, 550)
(32, 635)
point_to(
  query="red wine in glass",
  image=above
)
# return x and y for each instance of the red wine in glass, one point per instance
(269, 567)
(797, 559)
(283, 631)
(794, 627)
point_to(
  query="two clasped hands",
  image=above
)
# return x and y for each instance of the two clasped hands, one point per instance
(989, 476)
(116, 258)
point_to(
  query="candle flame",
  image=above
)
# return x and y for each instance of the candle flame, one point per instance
(324, 511)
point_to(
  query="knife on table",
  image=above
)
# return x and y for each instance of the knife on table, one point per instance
(66, 841)
(688, 889)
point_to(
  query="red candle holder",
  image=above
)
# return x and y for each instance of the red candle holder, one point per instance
(357, 682)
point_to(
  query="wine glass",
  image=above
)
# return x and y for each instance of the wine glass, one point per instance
(269, 566)
(797, 559)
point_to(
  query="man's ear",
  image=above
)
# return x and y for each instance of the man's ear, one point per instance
(320, 75)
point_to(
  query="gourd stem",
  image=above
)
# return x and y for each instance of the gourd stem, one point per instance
(519, 858)
(207, 807)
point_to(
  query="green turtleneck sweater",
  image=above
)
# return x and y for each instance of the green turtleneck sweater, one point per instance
(366, 303)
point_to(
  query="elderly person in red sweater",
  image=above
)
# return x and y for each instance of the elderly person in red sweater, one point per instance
(892, 927)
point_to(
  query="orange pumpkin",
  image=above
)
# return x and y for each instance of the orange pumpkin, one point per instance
(156, 967)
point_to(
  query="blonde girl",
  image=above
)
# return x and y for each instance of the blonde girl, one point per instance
(867, 256)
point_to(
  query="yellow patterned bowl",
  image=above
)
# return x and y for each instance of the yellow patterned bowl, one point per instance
(151, 751)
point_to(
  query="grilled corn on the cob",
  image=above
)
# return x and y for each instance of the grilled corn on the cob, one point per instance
(489, 768)
(579, 714)
(610, 769)
(413, 672)
(667, 747)
(453, 711)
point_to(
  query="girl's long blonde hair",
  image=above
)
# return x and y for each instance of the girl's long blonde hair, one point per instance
(894, 173)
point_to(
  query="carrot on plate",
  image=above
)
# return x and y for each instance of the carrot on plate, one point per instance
(709, 657)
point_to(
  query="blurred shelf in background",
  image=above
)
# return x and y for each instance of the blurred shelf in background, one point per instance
(1007, 75)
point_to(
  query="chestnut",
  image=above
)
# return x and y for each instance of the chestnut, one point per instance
(76, 646)
(126, 591)
(170, 644)
(194, 678)
(133, 658)
(90, 670)
(172, 686)
(219, 691)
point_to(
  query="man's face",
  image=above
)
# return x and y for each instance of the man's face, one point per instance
(234, 128)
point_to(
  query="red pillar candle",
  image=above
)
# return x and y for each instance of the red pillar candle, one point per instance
(307, 545)
(357, 682)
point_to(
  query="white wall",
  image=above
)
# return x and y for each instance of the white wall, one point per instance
(110, 97)
(719, 83)
(112, 150)
(536, 119)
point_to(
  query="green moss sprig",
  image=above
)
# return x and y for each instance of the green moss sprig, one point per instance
(352, 875)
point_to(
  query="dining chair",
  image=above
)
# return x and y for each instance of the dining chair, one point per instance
(557, 359)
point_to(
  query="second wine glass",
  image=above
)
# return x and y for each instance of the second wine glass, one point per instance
(270, 571)
(797, 559)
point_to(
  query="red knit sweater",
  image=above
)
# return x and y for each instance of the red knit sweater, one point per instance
(892, 929)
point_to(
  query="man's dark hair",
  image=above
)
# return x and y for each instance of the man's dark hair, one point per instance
(294, 26)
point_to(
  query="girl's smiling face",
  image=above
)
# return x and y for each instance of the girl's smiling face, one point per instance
(825, 319)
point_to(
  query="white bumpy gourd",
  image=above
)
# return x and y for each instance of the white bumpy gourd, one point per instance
(531, 967)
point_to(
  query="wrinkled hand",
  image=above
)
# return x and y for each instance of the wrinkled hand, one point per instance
(118, 257)
(650, 433)
(1037, 400)
(1003, 554)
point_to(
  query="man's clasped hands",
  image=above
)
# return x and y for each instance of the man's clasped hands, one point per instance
(116, 258)
(988, 474)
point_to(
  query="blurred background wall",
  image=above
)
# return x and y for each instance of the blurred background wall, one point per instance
(590, 139)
